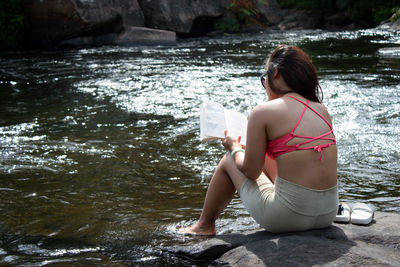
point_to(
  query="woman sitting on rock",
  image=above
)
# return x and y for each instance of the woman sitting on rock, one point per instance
(287, 174)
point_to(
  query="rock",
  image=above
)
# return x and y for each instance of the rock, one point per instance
(389, 25)
(342, 4)
(102, 10)
(89, 41)
(385, 25)
(145, 36)
(335, 21)
(88, 22)
(270, 10)
(295, 19)
(180, 15)
(299, 19)
(395, 25)
(377, 244)
(54, 22)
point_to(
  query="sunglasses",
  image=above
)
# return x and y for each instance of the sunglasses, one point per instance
(263, 78)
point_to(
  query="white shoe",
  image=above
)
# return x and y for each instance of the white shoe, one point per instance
(362, 214)
(343, 214)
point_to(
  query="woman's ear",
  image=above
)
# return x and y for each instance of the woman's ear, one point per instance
(276, 73)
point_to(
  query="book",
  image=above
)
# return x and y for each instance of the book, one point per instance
(215, 119)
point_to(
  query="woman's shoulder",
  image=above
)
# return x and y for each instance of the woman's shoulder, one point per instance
(271, 110)
(273, 106)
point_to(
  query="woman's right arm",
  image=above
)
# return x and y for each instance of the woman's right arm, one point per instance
(256, 145)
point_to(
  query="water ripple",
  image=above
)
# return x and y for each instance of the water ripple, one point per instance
(100, 158)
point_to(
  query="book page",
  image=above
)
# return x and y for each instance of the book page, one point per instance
(212, 121)
(236, 124)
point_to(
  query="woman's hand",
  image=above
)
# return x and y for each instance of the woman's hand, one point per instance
(231, 143)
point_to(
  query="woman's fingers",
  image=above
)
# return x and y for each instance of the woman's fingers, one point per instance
(229, 142)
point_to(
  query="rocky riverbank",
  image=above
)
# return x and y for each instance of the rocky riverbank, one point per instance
(103, 22)
(75, 23)
(377, 244)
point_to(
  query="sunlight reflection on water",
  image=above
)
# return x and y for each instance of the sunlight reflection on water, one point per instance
(100, 153)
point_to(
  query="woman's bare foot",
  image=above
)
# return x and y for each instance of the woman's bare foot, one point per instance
(198, 230)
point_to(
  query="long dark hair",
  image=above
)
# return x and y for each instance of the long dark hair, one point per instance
(296, 68)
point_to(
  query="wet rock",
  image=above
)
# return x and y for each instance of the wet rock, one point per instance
(145, 36)
(377, 244)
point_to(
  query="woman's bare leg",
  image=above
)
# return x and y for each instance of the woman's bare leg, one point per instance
(225, 181)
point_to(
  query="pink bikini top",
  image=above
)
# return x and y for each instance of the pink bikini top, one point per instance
(279, 146)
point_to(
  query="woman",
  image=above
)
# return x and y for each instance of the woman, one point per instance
(287, 174)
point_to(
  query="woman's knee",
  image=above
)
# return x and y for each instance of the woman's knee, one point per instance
(228, 165)
(223, 161)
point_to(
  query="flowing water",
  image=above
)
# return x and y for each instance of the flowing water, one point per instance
(101, 161)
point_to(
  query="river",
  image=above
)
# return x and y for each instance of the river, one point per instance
(101, 161)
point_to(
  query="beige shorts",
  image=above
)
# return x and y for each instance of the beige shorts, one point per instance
(288, 207)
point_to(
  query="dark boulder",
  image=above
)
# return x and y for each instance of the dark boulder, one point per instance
(294, 19)
(56, 22)
(52, 21)
(179, 15)
(103, 10)
(88, 22)
(270, 10)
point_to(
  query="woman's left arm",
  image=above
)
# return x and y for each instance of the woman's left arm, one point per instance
(252, 160)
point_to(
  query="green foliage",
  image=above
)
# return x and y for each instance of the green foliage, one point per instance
(241, 13)
(396, 14)
(316, 5)
(374, 11)
(371, 11)
(382, 14)
(229, 23)
(13, 23)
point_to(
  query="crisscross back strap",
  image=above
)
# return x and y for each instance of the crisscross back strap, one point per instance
(307, 105)
(317, 148)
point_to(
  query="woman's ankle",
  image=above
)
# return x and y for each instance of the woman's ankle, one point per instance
(200, 229)
(205, 225)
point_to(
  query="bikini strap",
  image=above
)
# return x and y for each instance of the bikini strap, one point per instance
(300, 118)
(307, 105)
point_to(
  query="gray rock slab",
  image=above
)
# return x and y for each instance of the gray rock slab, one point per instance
(377, 244)
(145, 36)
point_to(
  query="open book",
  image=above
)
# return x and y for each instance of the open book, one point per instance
(215, 119)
